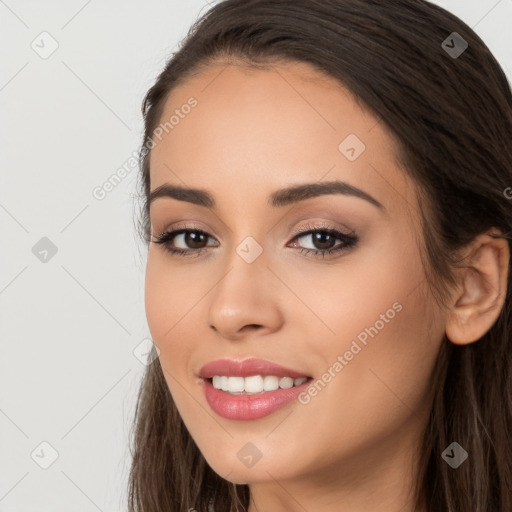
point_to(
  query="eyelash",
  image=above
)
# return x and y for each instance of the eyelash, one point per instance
(349, 240)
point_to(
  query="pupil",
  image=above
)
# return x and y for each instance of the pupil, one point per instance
(194, 239)
(323, 239)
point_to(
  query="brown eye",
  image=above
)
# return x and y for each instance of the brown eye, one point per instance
(323, 240)
(193, 240)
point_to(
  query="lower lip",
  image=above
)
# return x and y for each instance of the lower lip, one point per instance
(249, 407)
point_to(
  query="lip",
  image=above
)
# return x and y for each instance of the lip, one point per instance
(246, 368)
(253, 406)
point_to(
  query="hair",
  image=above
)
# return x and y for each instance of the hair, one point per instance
(452, 119)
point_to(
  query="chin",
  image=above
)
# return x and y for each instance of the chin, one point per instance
(236, 473)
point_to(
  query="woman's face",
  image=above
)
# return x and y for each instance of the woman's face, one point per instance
(358, 322)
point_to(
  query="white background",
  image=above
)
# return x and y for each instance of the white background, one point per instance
(68, 329)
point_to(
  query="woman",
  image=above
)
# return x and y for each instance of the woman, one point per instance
(327, 282)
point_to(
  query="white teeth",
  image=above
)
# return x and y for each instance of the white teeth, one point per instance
(254, 383)
(270, 383)
(286, 382)
(236, 384)
(216, 381)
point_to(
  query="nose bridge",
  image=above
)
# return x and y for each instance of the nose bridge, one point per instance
(244, 296)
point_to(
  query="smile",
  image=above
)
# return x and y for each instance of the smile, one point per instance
(254, 383)
(250, 389)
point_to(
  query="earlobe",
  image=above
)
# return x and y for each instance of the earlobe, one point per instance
(481, 292)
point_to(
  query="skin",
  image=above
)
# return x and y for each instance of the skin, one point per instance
(354, 446)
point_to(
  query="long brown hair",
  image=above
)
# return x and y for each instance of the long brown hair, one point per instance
(452, 117)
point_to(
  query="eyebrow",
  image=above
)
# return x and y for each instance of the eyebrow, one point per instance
(278, 198)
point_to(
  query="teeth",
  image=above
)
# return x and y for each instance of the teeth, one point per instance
(236, 384)
(286, 382)
(270, 383)
(254, 383)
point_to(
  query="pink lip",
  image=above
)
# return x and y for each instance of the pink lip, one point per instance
(246, 368)
(248, 407)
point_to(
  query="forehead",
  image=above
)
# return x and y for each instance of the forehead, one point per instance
(258, 130)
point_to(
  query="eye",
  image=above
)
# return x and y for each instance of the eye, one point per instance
(193, 239)
(322, 238)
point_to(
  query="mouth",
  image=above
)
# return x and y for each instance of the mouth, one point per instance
(254, 384)
(250, 389)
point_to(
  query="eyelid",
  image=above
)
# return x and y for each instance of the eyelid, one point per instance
(304, 229)
(348, 240)
(191, 225)
(324, 225)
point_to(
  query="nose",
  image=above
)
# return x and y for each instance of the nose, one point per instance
(248, 299)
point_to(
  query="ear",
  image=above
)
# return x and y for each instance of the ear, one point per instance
(481, 290)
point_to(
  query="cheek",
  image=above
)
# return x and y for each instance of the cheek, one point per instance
(167, 303)
(167, 296)
(365, 289)
(386, 329)
(388, 346)
(158, 299)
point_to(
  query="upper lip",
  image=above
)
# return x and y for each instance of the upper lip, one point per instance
(246, 368)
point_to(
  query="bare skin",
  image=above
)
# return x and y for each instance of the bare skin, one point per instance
(354, 445)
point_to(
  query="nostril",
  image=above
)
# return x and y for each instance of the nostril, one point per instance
(252, 326)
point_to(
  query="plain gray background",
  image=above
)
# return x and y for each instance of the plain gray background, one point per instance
(72, 321)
